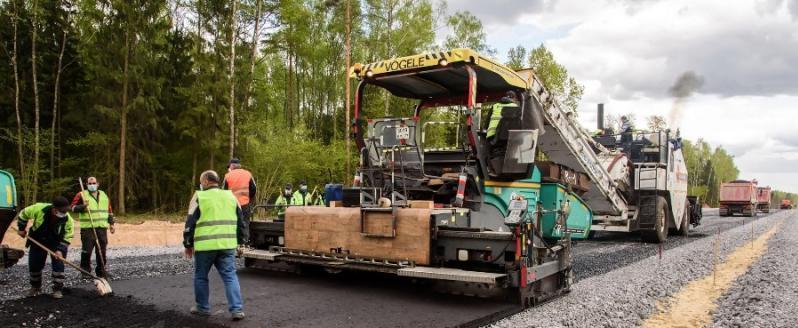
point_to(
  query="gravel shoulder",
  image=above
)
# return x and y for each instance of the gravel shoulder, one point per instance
(610, 251)
(625, 296)
(767, 295)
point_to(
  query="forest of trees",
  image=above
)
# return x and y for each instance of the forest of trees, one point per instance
(145, 94)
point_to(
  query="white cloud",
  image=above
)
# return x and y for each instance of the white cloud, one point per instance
(628, 53)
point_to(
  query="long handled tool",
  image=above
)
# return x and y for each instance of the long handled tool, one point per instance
(102, 285)
(101, 257)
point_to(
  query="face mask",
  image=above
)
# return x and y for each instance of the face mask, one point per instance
(60, 215)
(200, 186)
(303, 188)
(92, 187)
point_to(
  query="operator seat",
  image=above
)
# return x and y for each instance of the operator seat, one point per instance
(497, 146)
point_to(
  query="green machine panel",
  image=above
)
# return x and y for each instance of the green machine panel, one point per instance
(8, 191)
(579, 219)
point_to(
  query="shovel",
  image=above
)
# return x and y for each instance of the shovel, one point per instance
(102, 285)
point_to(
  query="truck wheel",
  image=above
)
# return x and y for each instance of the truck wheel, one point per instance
(660, 232)
(685, 226)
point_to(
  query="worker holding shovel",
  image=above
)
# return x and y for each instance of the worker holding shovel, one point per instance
(52, 228)
(96, 219)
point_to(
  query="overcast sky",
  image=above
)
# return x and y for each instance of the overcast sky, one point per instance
(628, 54)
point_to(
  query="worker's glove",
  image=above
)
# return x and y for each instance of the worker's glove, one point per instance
(240, 250)
(111, 229)
(79, 208)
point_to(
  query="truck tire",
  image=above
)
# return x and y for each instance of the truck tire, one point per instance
(660, 232)
(684, 229)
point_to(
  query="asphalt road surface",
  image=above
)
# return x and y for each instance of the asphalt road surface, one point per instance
(275, 299)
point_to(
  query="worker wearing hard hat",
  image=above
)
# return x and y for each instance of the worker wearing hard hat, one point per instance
(96, 218)
(242, 184)
(52, 227)
(301, 197)
(213, 232)
(284, 200)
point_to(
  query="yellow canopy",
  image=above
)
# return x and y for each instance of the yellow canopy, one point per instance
(439, 74)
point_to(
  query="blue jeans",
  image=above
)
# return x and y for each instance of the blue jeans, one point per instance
(224, 261)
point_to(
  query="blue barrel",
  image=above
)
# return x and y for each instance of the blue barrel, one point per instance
(333, 192)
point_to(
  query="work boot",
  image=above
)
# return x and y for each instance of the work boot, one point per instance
(196, 311)
(33, 291)
(238, 316)
(57, 294)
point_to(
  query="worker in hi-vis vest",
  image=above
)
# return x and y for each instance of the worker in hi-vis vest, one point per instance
(101, 221)
(506, 103)
(301, 197)
(52, 227)
(213, 233)
(284, 200)
(242, 184)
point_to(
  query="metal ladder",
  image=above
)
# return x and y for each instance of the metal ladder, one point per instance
(648, 210)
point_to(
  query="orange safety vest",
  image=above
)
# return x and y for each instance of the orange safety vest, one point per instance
(238, 183)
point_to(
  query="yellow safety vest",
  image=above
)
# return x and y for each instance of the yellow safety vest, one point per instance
(98, 208)
(217, 226)
(496, 116)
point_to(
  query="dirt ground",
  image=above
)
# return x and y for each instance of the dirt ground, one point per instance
(149, 233)
(83, 308)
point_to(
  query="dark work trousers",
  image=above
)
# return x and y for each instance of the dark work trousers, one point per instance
(37, 257)
(246, 211)
(89, 246)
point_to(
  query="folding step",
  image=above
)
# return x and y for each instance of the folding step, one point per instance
(451, 274)
(261, 254)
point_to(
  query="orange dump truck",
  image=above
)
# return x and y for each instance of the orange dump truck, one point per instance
(763, 199)
(786, 204)
(738, 197)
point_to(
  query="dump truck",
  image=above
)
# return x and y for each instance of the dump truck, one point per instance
(763, 195)
(738, 197)
(466, 215)
(8, 211)
(786, 204)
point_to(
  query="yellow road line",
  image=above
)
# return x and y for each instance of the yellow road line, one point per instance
(694, 304)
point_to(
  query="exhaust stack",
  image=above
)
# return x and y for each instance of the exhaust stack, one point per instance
(600, 118)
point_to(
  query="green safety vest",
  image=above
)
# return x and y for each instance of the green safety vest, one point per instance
(98, 208)
(281, 202)
(217, 226)
(496, 116)
(36, 212)
(298, 200)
